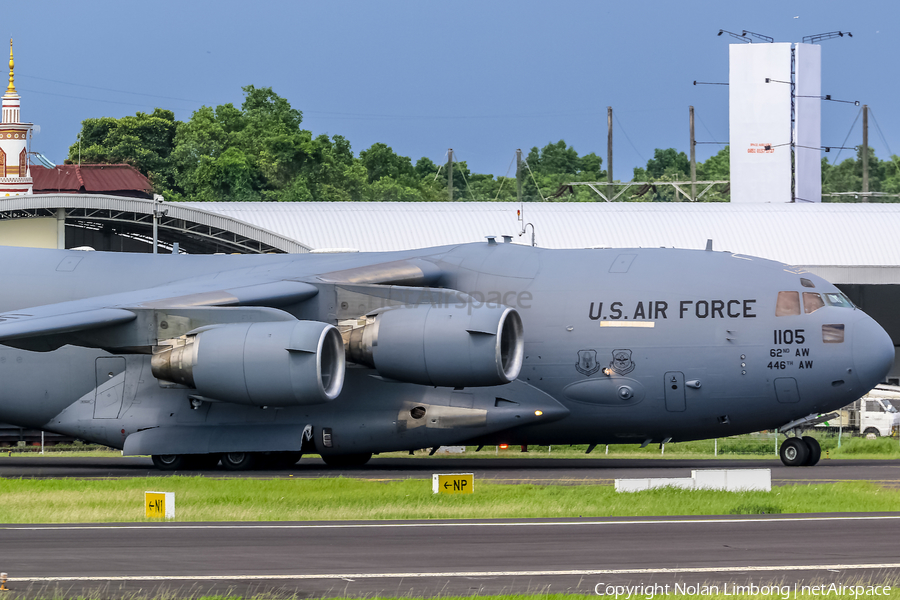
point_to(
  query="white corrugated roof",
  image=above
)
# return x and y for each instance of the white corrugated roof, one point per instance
(800, 234)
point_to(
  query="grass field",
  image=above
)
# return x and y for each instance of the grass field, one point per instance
(856, 591)
(301, 499)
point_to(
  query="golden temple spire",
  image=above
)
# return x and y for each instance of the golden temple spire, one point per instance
(12, 88)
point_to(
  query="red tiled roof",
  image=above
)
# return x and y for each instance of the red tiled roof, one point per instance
(86, 179)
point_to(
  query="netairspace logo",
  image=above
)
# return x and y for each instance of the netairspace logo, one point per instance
(786, 592)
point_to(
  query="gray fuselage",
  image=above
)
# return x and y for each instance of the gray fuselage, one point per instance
(620, 346)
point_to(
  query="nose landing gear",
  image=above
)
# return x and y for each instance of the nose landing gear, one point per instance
(802, 451)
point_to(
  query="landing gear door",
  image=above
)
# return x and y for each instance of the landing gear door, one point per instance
(674, 386)
(110, 373)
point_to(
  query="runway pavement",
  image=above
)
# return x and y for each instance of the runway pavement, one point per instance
(449, 557)
(434, 558)
(545, 471)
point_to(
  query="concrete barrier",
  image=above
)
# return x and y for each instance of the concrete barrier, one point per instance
(730, 480)
(733, 480)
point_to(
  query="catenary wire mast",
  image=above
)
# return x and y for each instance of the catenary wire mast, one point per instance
(693, 159)
(865, 152)
(519, 175)
(450, 174)
(611, 192)
(609, 145)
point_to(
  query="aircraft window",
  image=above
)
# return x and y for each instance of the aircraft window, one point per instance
(833, 334)
(788, 304)
(812, 302)
(806, 282)
(838, 299)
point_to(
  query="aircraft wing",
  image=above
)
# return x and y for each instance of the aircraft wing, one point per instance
(140, 318)
(129, 314)
(19, 325)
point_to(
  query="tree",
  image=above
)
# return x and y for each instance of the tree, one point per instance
(144, 141)
(381, 161)
(671, 165)
(884, 176)
(716, 167)
(668, 162)
(257, 152)
(555, 165)
(425, 167)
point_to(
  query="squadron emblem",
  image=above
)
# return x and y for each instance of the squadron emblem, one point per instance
(621, 362)
(587, 362)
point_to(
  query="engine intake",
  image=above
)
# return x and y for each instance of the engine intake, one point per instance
(284, 363)
(441, 346)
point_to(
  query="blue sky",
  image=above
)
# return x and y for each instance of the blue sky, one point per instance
(483, 77)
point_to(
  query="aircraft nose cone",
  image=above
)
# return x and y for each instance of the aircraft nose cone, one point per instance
(873, 352)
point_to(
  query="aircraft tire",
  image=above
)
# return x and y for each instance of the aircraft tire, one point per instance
(169, 462)
(238, 461)
(346, 461)
(202, 462)
(794, 452)
(279, 460)
(815, 450)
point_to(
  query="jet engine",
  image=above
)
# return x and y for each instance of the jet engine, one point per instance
(283, 363)
(449, 346)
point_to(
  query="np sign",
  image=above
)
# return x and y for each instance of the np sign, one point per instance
(453, 483)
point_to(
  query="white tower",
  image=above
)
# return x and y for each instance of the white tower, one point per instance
(775, 122)
(15, 174)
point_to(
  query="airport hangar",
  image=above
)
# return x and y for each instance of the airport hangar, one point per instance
(852, 245)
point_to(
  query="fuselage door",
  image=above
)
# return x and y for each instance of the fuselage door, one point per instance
(110, 373)
(674, 386)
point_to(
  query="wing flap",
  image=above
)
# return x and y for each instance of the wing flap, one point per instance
(22, 325)
(271, 293)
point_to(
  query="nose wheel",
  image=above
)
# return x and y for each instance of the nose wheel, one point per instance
(815, 450)
(800, 451)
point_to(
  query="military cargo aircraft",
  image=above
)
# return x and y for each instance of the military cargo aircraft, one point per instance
(253, 360)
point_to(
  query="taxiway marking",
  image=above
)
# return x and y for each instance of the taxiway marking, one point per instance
(456, 524)
(473, 574)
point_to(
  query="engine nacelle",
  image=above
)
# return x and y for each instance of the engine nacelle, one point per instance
(441, 346)
(281, 363)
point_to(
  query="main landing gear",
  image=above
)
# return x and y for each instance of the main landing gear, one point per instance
(800, 451)
(346, 461)
(231, 461)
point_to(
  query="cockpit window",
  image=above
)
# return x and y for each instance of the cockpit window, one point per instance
(788, 304)
(806, 282)
(812, 302)
(838, 299)
(833, 334)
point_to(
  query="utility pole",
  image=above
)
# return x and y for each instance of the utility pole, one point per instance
(609, 174)
(519, 175)
(450, 174)
(865, 153)
(693, 161)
